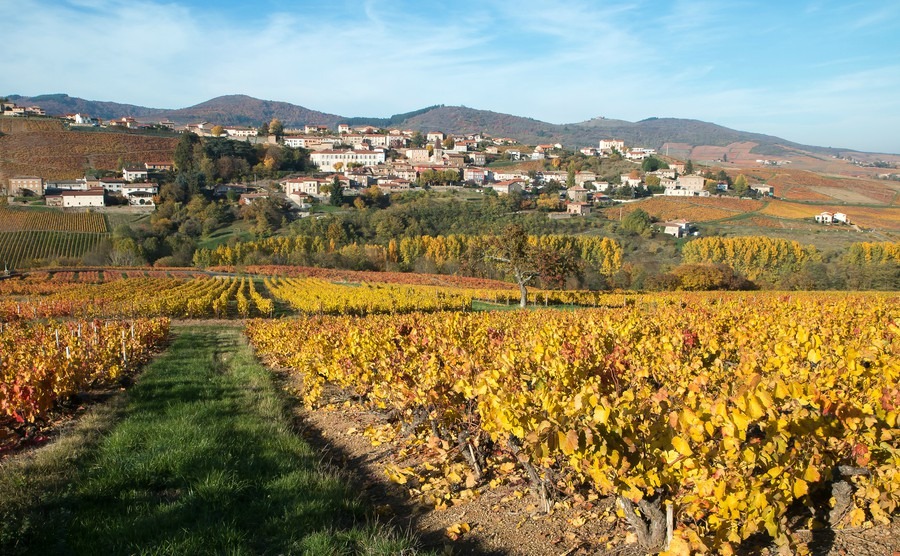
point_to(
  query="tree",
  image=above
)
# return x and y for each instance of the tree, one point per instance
(337, 166)
(417, 140)
(184, 152)
(276, 128)
(636, 222)
(688, 167)
(515, 254)
(740, 185)
(570, 178)
(337, 192)
(652, 164)
(263, 129)
(217, 130)
(449, 143)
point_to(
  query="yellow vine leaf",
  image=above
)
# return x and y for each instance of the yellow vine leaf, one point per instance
(800, 488)
(682, 446)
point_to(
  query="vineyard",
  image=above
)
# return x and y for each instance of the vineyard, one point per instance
(35, 237)
(41, 363)
(65, 154)
(12, 220)
(697, 209)
(123, 297)
(743, 413)
(801, 185)
(24, 248)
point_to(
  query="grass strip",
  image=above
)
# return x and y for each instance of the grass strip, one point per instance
(201, 459)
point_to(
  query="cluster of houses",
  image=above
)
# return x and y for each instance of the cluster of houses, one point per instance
(12, 109)
(134, 187)
(617, 146)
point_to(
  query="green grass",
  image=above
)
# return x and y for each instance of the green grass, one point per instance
(202, 461)
(325, 209)
(237, 230)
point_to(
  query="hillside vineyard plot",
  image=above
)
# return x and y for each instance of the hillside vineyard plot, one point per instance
(30, 236)
(51, 221)
(20, 249)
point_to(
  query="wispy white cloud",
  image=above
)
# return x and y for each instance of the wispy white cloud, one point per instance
(556, 61)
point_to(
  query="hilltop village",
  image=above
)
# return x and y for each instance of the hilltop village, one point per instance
(347, 161)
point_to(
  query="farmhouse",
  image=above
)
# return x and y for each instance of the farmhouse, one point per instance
(578, 209)
(25, 185)
(81, 199)
(824, 218)
(507, 187)
(676, 228)
(250, 198)
(140, 194)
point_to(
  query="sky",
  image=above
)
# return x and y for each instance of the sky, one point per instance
(817, 72)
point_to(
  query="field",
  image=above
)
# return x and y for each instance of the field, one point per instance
(31, 237)
(24, 249)
(801, 185)
(880, 218)
(734, 408)
(650, 404)
(692, 209)
(12, 220)
(58, 154)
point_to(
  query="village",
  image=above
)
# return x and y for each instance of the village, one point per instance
(357, 158)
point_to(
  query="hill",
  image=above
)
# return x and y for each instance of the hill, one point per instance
(246, 110)
(59, 104)
(249, 111)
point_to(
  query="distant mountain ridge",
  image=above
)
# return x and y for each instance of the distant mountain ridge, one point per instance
(249, 111)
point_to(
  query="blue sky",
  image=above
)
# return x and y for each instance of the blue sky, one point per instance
(818, 72)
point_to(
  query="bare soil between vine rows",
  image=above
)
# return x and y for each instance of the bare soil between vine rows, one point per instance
(502, 519)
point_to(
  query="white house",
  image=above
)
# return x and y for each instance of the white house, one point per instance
(113, 185)
(313, 143)
(89, 198)
(676, 228)
(477, 175)
(240, 131)
(134, 173)
(293, 187)
(762, 189)
(326, 160)
(633, 182)
(825, 218)
(609, 145)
